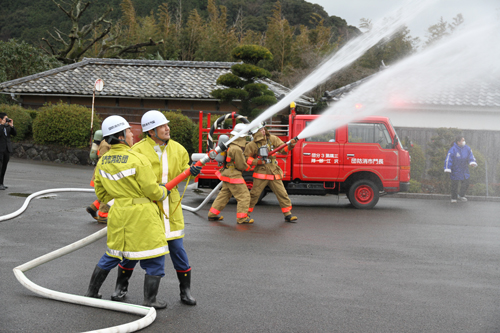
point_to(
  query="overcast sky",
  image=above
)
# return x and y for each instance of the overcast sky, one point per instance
(353, 10)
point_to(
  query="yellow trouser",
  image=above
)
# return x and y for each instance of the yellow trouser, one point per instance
(239, 192)
(279, 190)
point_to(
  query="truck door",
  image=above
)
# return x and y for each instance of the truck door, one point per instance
(369, 146)
(320, 157)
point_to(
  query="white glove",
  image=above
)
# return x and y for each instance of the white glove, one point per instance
(447, 170)
(474, 164)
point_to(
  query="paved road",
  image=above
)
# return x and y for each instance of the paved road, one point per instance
(405, 266)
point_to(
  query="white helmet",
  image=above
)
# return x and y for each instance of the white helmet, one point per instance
(152, 119)
(237, 128)
(113, 125)
(258, 127)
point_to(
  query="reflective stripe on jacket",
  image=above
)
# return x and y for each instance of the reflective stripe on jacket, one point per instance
(178, 161)
(135, 231)
(235, 163)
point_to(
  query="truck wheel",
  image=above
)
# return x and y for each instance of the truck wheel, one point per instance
(363, 194)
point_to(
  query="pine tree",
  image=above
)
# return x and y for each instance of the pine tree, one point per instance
(241, 82)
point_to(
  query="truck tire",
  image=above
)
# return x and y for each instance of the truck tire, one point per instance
(363, 194)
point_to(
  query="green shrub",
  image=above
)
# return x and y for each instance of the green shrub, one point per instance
(415, 186)
(32, 113)
(417, 162)
(22, 120)
(478, 189)
(478, 174)
(181, 129)
(64, 124)
(495, 190)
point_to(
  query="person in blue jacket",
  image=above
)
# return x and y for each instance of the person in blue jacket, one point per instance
(457, 163)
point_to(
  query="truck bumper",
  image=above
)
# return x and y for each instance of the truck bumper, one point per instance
(404, 187)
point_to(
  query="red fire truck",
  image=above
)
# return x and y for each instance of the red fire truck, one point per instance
(363, 159)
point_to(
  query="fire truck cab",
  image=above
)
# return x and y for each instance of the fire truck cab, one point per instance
(363, 159)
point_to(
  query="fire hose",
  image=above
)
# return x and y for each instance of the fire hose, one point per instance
(148, 313)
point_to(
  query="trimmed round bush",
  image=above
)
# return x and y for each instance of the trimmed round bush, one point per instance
(181, 129)
(64, 124)
(22, 120)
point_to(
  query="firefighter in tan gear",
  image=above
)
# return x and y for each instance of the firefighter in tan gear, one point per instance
(267, 172)
(98, 210)
(135, 227)
(233, 182)
(168, 159)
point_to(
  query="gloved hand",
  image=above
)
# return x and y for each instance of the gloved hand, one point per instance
(195, 170)
(292, 143)
(474, 164)
(447, 170)
(261, 162)
(168, 192)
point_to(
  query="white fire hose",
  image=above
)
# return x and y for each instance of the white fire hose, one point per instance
(149, 313)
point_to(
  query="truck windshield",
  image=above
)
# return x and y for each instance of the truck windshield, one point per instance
(369, 133)
(325, 137)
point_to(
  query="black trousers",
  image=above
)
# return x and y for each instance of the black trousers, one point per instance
(4, 160)
(463, 188)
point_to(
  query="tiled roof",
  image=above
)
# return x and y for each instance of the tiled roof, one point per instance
(484, 93)
(132, 78)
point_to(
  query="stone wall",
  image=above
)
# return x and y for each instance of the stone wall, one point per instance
(53, 153)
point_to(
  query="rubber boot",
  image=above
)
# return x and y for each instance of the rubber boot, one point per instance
(151, 285)
(92, 210)
(98, 277)
(185, 287)
(121, 288)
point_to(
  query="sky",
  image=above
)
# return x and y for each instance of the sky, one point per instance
(353, 10)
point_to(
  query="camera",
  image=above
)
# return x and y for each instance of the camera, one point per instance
(8, 120)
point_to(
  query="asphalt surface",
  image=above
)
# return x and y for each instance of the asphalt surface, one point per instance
(408, 265)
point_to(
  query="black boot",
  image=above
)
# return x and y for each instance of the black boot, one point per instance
(185, 286)
(121, 284)
(96, 281)
(151, 285)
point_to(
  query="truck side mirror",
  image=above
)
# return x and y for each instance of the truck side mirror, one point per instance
(395, 142)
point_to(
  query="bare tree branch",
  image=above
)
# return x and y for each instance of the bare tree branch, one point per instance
(136, 48)
(51, 47)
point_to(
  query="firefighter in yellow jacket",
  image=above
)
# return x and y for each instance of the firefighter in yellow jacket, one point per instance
(135, 228)
(168, 159)
(233, 182)
(267, 172)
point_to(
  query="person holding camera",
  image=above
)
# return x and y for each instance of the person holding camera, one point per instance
(6, 131)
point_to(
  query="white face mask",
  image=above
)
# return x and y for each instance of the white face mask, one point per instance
(462, 144)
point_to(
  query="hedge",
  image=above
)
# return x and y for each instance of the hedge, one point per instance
(181, 129)
(64, 124)
(22, 120)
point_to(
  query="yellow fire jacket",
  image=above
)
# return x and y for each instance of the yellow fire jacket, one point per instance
(135, 227)
(167, 164)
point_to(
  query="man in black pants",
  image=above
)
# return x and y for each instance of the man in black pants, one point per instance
(6, 130)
